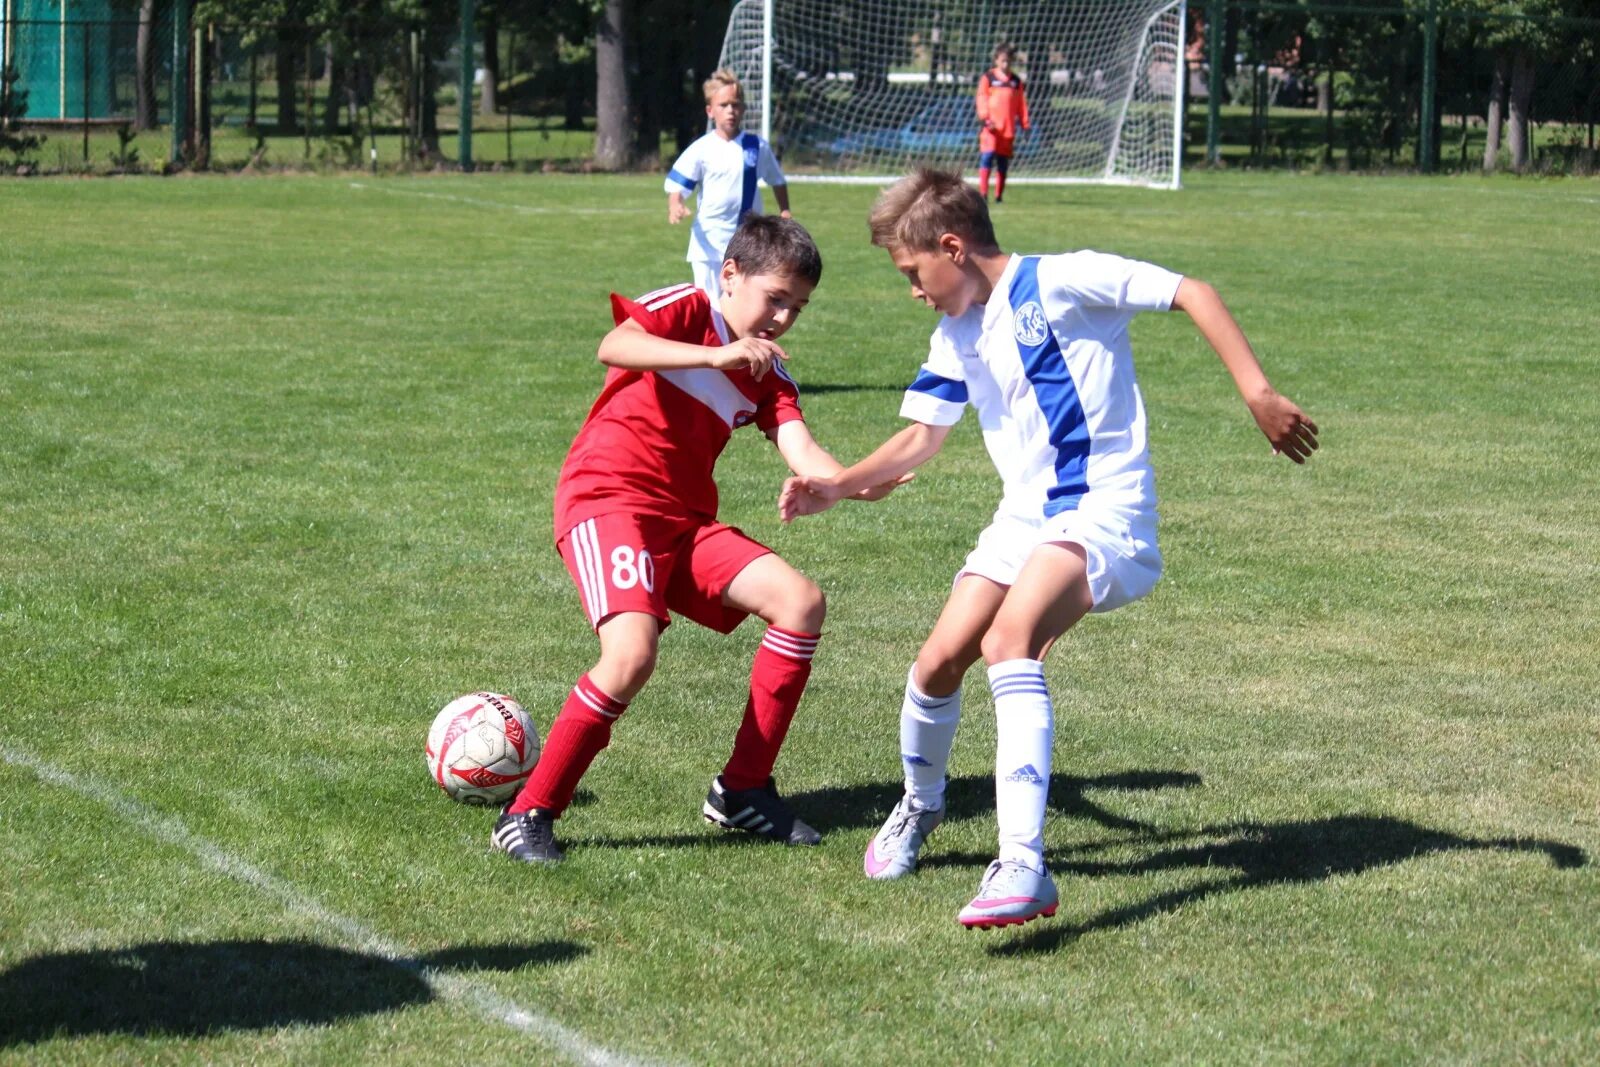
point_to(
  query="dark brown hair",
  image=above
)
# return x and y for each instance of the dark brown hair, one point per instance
(772, 244)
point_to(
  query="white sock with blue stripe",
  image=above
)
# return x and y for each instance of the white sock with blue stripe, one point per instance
(927, 730)
(1024, 730)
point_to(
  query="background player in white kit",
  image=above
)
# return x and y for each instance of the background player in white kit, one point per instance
(1039, 346)
(724, 168)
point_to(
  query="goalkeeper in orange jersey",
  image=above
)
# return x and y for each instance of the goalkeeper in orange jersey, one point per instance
(1002, 110)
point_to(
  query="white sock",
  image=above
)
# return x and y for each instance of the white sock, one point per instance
(927, 730)
(1024, 729)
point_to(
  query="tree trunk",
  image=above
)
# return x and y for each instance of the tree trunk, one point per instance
(144, 108)
(287, 51)
(613, 140)
(488, 99)
(1497, 103)
(337, 75)
(1521, 105)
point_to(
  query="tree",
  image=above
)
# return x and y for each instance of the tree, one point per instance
(613, 122)
(13, 106)
(1519, 32)
(144, 106)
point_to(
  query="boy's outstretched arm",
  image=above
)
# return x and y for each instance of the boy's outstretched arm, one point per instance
(889, 466)
(1286, 426)
(808, 459)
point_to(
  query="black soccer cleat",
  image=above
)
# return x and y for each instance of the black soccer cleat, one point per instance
(758, 811)
(527, 838)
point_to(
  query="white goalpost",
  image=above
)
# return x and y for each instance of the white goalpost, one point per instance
(860, 90)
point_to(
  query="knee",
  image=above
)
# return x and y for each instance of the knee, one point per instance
(626, 670)
(939, 671)
(1002, 643)
(803, 607)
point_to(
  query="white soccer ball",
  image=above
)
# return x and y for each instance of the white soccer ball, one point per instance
(481, 748)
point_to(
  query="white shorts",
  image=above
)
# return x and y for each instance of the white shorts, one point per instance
(708, 276)
(1124, 562)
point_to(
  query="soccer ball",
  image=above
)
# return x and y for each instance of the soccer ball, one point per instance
(481, 748)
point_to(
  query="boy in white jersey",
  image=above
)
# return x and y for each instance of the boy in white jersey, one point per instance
(724, 168)
(1039, 346)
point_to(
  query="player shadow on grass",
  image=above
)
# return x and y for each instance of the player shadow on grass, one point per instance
(861, 807)
(195, 989)
(866, 806)
(1258, 855)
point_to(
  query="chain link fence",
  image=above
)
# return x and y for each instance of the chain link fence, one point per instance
(1414, 84)
(1425, 85)
(84, 87)
(360, 93)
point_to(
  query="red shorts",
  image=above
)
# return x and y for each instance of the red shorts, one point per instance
(994, 141)
(650, 563)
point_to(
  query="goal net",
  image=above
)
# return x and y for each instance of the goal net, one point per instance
(863, 89)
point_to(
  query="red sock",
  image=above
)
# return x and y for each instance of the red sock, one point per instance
(576, 737)
(983, 181)
(777, 679)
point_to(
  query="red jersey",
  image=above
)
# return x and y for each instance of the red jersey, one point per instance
(653, 437)
(1002, 107)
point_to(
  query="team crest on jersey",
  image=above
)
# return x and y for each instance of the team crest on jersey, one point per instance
(750, 157)
(1030, 325)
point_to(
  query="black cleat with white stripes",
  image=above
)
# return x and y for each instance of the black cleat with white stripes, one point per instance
(758, 811)
(527, 838)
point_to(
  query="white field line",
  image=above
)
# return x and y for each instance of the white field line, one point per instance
(475, 995)
(521, 209)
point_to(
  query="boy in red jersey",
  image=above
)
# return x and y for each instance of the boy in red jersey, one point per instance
(1002, 109)
(636, 524)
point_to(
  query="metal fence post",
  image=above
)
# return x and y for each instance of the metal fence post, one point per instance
(179, 93)
(1216, 12)
(1430, 85)
(85, 109)
(465, 101)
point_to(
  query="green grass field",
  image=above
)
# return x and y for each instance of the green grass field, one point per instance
(276, 467)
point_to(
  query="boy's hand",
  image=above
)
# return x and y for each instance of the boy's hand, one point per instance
(757, 353)
(677, 212)
(1286, 426)
(806, 496)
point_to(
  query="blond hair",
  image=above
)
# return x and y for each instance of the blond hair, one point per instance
(917, 210)
(721, 79)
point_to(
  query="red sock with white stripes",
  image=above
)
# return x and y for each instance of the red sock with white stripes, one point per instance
(777, 680)
(576, 737)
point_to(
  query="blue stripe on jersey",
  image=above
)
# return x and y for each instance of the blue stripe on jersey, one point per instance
(1057, 394)
(752, 157)
(686, 182)
(943, 388)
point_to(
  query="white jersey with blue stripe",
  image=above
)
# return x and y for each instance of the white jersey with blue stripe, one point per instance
(1047, 365)
(726, 177)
